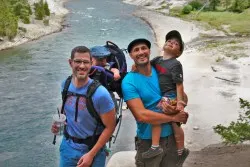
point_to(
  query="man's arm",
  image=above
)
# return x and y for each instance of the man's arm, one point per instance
(143, 115)
(109, 121)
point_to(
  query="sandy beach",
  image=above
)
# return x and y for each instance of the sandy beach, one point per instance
(37, 29)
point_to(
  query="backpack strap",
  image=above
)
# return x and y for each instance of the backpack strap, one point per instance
(89, 102)
(65, 91)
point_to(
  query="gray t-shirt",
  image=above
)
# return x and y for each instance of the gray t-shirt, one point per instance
(169, 73)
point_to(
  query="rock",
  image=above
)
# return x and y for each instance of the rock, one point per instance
(122, 159)
(196, 128)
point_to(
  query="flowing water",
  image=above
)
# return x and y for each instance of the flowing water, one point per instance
(30, 77)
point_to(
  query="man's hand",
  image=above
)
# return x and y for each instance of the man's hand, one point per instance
(181, 117)
(169, 109)
(86, 160)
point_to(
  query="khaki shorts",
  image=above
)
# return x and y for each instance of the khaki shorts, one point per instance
(167, 159)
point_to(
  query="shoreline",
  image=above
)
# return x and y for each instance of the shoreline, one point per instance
(36, 29)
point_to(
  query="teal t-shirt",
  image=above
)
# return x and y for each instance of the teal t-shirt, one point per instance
(136, 85)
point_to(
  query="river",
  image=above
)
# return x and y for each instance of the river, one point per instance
(30, 77)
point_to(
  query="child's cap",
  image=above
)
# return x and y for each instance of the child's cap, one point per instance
(99, 51)
(177, 35)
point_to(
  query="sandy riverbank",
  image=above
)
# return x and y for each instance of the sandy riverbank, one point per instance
(211, 101)
(37, 29)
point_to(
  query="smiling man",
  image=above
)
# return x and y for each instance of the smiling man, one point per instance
(84, 136)
(142, 94)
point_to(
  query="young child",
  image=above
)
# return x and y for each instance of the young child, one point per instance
(170, 76)
(99, 55)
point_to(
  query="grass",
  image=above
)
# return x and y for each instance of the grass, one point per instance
(235, 56)
(214, 44)
(238, 22)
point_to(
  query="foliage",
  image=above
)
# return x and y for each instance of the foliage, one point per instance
(238, 22)
(41, 10)
(239, 5)
(22, 10)
(196, 5)
(175, 11)
(46, 22)
(46, 9)
(187, 9)
(8, 20)
(22, 29)
(213, 4)
(239, 131)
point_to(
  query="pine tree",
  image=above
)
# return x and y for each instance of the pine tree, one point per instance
(46, 9)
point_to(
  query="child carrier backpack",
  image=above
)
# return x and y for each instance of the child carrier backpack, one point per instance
(117, 60)
(89, 141)
(117, 56)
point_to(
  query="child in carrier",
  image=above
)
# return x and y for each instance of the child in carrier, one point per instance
(170, 76)
(100, 55)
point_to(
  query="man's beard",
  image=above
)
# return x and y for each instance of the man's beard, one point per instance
(142, 64)
(81, 77)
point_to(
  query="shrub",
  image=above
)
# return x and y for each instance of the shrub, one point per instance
(239, 5)
(41, 10)
(26, 20)
(175, 11)
(22, 29)
(46, 9)
(46, 22)
(196, 5)
(238, 131)
(8, 20)
(187, 9)
(213, 4)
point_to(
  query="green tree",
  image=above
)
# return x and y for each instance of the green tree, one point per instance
(213, 4)
(8, 20)
(46, 9)
(238, 131)
(39, 10)
(187, 9)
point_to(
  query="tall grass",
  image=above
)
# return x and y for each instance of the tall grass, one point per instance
(238, 22)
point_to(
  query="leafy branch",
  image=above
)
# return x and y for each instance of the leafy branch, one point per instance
(237, 131)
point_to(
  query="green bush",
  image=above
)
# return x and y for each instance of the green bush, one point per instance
(17, 8)
(239, 5)
(46, 9)
(8, 20)
(175, 11)
(22, 29)
(26, 20)
(41, 10)
(187, 9)
(239, 131)
(46, 22)
(213, 4)
(196, 5)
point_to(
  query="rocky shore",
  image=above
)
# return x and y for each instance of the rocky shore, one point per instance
(36, 28)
